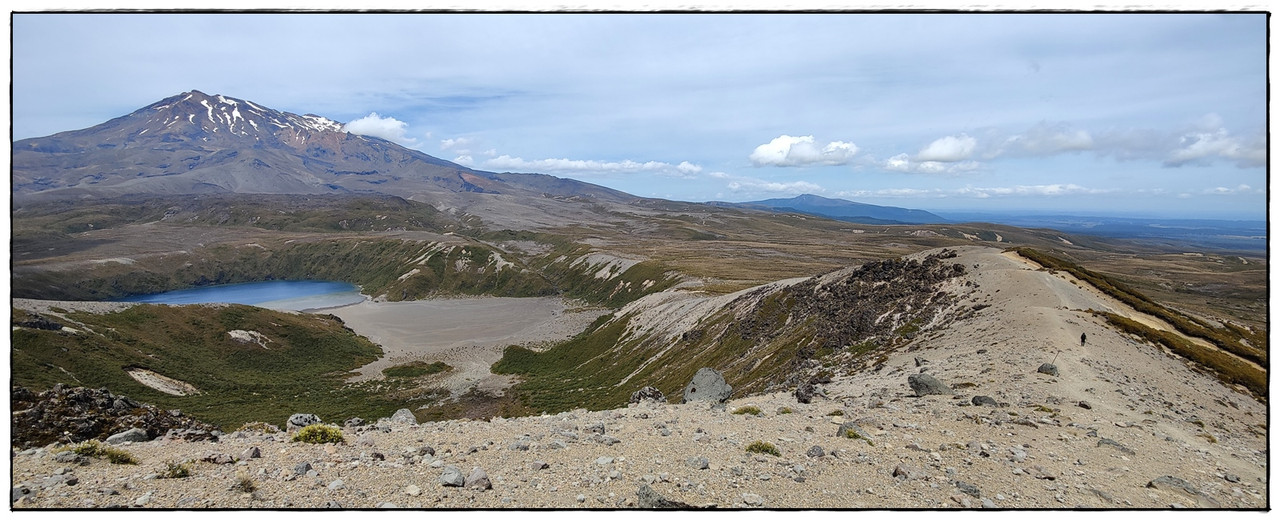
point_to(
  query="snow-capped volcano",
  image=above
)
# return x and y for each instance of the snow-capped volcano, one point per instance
(199, 143)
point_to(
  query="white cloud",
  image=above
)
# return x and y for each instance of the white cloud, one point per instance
(1046, 139)
(1205, 147)
(390, 129)
(787, 150)
(464, 160)
(455, 144)
(948, 149)
(1240, 189)
(794, 187)
(904, 163)
(1047, 190)
(587, 166)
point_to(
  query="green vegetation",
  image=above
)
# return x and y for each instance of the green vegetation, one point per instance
(244, 484)
(763, 447)
(1226, 367)
(785, 410)
(305, 369)
(1230, 338)
(750, 409)
(318, 433)
(416, 369)
(837, 412)
(95, 449)
(175, 471)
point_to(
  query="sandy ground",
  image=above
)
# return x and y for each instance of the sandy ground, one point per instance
(1042, 447)
(466, 333)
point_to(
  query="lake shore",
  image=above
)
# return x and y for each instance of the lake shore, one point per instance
(466, 333)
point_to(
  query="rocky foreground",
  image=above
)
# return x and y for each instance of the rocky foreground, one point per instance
(1005, 408)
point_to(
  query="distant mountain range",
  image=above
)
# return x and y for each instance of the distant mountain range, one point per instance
(843, 210)
(195, 143)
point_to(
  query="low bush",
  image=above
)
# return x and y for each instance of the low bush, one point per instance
(763, 447)
(175, 471)
(319, 434)
(750, 409)
(95, 449)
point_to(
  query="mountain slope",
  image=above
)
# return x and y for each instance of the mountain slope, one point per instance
(195, 143)
(843, 210)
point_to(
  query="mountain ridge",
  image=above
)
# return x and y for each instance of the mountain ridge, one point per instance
(842, 210)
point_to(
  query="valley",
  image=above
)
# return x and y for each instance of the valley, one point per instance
(504, 310)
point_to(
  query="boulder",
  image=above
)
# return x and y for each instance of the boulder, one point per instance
(647, 393)
(985, 400)
(648, 498)
(1181, 486)
(1048, 368)
(404, 416)
(708, 385)
(815, 452)
(452, 477)
(805, 393)
(478, 479)
(133, 435)
(925, 384)
(300, 420)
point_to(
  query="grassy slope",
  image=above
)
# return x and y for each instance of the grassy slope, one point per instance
(301, 369)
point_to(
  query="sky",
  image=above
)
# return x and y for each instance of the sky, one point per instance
(1162, 115)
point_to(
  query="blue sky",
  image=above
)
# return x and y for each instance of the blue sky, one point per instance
(1117, 114)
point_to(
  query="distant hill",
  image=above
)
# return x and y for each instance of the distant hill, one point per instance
(843, 210)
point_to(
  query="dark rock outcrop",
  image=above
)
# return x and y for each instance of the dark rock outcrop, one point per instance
(648, 393)
(646, 497)
(1048, 368)
(39, 419)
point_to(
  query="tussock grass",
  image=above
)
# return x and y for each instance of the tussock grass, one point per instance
(763, 447)
(750, 409)
(318, 433)
(95, 449)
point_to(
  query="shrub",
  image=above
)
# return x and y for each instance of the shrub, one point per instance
(94, 449)
(244, 484)
(785, 410)
(175, 470)
(319, 434)
(750, 409)
(837, 412)
(763, 447)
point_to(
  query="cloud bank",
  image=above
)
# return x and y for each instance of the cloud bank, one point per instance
(787, 150)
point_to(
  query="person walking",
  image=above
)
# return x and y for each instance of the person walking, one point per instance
(1082, 337)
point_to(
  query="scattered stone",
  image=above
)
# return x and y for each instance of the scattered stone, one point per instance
(20, 492)
(336, 484)
(907, 471)
(143, 500)
(1179, 485)
(219, 458)
(302, 469)
(331, 504)
(539, 465)
(131, 435)
(1231, 478)
(709, 385)
(985, 400)
(251, 453)
(300, 420)
(752, 500)
(595, 429)
(1048, 368)
(412, 490)
(646, 497)
(519, 445)
(925, 384)
(987, 503)
(352, 423)
(478, 480)
(1108, 442)
(1083, 405)
(815, 452)
(805, 392)
(404, 416)
(604, 460)
(385, 504)
(847, 427)
(647, 393)
(452, 477)
(698, 463)
(582, 498)
(968, 489)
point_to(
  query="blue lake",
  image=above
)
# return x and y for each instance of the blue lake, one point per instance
(288, 295)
